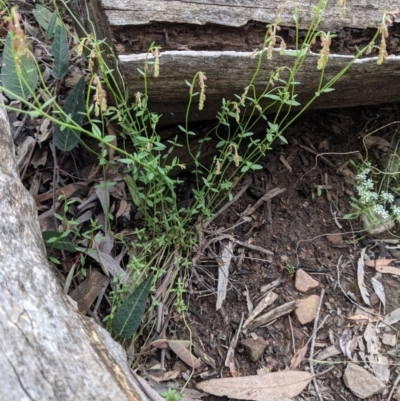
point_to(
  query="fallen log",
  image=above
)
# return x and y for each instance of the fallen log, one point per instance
(48, 350)
(219, 37)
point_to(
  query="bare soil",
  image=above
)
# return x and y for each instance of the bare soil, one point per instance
(299, 230)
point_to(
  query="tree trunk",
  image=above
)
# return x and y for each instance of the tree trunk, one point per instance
(48, 350)
(218, 38)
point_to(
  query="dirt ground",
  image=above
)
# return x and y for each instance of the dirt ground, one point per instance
(304, 230)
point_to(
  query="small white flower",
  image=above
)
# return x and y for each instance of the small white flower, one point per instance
(396, 212)
(380, 211)
(387, 197)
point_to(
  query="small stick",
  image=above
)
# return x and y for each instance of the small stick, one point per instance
(314, 335)
(393, 387)
(229, 361)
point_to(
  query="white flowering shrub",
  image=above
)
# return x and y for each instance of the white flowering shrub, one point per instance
(374, 204)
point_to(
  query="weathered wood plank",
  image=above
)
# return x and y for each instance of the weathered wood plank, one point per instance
(48, 350)
(360, 14)
(229, 73)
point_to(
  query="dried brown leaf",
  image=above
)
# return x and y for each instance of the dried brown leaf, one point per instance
(272, 387)
(298, 357)
(378, 262)
(388, 270)
(181, 350)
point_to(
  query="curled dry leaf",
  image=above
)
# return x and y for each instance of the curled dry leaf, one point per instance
(272, 386)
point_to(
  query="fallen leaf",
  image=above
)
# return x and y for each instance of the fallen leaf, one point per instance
(269, 387)
(165, 376)
(361, 317)
(378, 262)
(380, 143)
(378, 288)
(285, 163)
(329, 352)
(223, 271)
(68, 191)
(250, 306)
(181, 350)
(391, 318)
(298, 357)
(360, 277)
(388, 270)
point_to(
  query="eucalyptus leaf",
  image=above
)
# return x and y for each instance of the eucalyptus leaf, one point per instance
(60, 53)
(129, 315)
(44, 17)
(51, 26)
(19, 75)
(66, 139)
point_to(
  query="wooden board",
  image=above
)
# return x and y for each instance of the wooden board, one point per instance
(229, 71)
(360, 14)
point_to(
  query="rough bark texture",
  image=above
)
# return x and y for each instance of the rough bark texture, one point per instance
(360, 14)
(48, 350)
(191, 33)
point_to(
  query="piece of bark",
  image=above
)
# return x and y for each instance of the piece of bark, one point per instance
(282, 310)
(48, 350)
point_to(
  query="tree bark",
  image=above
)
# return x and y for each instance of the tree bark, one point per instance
(48, 350)
(217, 37)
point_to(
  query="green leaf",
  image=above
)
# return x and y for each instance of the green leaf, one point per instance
(19, 75)
(273, 97)
(326, 90)
(66, 139)
(60, 53)
(51, 27)
(109, 138)
(128, 317)
(56, 240)
(292, 102)
(44, 17)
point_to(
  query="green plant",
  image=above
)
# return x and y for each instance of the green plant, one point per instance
(375, 201)
(289, 269)
(172, 395)
(161, 247)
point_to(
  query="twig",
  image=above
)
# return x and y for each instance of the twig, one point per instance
(246, 185)
(314, 335)
(291, 330)
(396, 382)
(229, 361)
(253, 247)
(269, 195)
